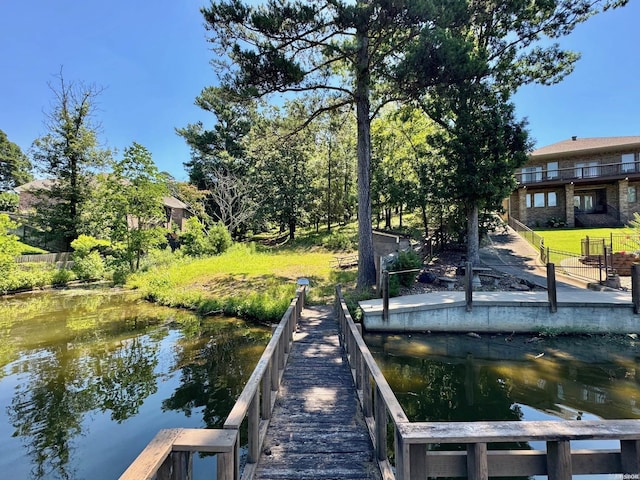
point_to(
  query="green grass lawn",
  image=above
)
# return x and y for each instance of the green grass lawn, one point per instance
(249, 281)
(569, 240)
(29, 250)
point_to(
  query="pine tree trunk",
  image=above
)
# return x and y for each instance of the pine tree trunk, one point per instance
(366, 266)
(473, 235)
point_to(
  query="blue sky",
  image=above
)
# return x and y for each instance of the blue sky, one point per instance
(153, 62)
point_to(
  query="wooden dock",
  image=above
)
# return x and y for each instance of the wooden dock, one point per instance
(304, 420)
(317, 429)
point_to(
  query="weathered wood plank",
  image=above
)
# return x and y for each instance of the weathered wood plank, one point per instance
(152, 457)
(205, 440)
(473, 432)
(503, 463)
(317, 430)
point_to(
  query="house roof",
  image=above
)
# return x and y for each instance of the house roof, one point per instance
(45, 184)
(173, 202)
(576, 145)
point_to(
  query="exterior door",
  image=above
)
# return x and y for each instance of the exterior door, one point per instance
(584, 202)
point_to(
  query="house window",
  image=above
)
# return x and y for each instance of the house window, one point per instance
(587, 169)
(552, 170)
(552, 200)
(628, 162)
(538, 199)
(632, 195)
(531, 174)
(528, 200)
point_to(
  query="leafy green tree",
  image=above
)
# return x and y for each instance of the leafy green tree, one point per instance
(341, 50)
(135, 191)
(222, 145)
(9, 201)
(482, 147)
(280, 172)
(69, 154)
(15, 167)
(9, 244)
(333, 160)
(464, 68)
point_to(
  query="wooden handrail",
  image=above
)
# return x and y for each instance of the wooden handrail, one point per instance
(559, 461)
(169, 454)
(378, 403)
(414, 460)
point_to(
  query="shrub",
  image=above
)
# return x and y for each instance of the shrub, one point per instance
(406, 260)
(61, 277)
(89, 267)
(338, 241)
(219, 239)
(195, 242)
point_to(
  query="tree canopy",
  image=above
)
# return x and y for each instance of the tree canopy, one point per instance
(339, 50)
(15, 166)
(69, 153)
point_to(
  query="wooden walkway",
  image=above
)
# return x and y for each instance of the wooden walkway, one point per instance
(317, 430)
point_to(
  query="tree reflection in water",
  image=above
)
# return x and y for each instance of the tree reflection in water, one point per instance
(98, 358)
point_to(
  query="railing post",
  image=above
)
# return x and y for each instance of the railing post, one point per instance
(253, 417)
(275, 364)
(265, 412)
(551, 288)
(630, 456)
(468, 286)
(385, 296)
(359, 361)
(182, 465)
(477, 467)
(381, 425)
(635, 288)
(367, 395)
(559, 460)
(164, 472)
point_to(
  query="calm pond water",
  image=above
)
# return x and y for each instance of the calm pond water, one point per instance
(87, 378)
(439, 377)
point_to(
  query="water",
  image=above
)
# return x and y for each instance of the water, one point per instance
(460, 378)
(440, 377)
(87, 378)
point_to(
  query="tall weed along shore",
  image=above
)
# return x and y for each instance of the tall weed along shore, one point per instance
(245, 281)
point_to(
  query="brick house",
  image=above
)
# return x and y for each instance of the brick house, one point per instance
(580, 182)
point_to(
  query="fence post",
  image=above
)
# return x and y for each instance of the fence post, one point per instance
(606, 261)
(468, 286)
(551, 288)
(635, 288)
(385, 296)
(600, 268)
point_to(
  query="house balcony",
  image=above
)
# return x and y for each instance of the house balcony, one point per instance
(579, 175)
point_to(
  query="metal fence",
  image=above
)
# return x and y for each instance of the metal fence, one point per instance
(615, 243)
(525, 232)
(595, 266)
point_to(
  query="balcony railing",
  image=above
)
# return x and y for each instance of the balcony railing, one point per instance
(578, 172)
